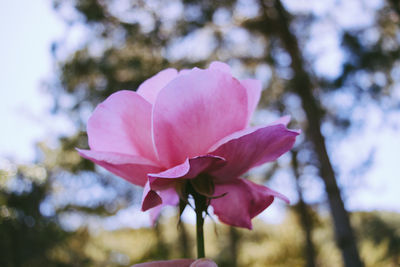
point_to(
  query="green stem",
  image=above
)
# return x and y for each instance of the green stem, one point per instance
(200, 232)
(200, 203)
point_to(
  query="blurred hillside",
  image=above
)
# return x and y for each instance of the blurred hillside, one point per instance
(30, 238)
(332, 65)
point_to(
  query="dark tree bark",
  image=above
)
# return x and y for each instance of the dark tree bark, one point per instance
(396, 6)
(304, 216)
(184, 241)
(161, 248)
(303, 87)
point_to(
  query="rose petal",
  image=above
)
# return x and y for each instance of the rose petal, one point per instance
(253, 88)
(169, 198)
(170, 263)
(221, 66)
(184, 71)
(194, 111)
(189, 169)
(150, 198)
(122, 124)
(150, 88)
(252, 147)
(243, 201)
(134, 169)
(282, 120)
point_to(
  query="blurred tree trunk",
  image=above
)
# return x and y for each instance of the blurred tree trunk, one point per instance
(396, 6)
(162, 248)
(303, 87)
(183, 240)
(304, 215)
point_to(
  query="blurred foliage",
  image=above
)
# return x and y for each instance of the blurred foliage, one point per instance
(266, 245)
(29, 238)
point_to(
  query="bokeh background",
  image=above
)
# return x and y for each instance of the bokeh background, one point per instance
(333, 65)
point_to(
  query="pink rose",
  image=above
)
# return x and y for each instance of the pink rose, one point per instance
(190, 127)
(179, 263)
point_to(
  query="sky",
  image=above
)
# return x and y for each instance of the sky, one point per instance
(25, 63)
(25, 118)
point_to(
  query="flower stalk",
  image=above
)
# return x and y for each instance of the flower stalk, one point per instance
(201, 204)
